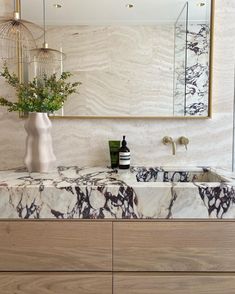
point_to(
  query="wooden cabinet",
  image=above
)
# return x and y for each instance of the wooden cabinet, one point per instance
(117, 257)
(55, 246)
(151, 283)
(56, 283)
(174, 246)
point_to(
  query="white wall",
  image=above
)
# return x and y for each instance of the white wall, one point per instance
(84, 142)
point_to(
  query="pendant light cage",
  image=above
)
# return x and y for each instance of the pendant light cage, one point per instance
(17, 38)
(45, 60)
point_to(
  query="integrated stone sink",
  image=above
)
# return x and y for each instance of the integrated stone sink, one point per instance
(97, 193)
(194, 192)
(176, 175)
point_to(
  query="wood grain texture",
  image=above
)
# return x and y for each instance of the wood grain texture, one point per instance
(173, 284)
(169, 246)
(51, 246)
(49, 283)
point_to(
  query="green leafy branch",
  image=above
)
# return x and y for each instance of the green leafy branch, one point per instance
(47, 94)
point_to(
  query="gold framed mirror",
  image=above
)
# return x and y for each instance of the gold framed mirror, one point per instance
(150, 59)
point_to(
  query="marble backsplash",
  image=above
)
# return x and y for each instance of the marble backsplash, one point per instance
(84, 141)
(124, 70)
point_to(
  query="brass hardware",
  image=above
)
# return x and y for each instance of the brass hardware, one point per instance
(17, 14)
(168, 140)
(45, 45)
(18, 7)
(184, 141)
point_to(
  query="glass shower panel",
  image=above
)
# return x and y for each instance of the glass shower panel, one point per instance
(180, 62)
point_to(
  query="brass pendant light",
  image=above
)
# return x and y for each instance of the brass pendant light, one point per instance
(17, 37)
(46, 60)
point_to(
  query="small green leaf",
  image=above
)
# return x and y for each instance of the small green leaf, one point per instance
(40, 95)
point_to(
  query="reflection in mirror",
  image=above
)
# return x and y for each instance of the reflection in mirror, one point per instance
(191, 63)
(148, 60)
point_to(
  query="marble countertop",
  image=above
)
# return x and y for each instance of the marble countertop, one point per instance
(96, 193)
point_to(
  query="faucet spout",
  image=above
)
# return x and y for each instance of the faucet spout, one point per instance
(168, 140)
(173, 147)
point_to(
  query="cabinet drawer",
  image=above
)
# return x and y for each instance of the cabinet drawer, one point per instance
(55, 246)
(174, 246)
(173, 284)
(49, 283)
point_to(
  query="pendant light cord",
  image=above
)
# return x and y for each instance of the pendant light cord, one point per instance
(17, 6)
(44, 20)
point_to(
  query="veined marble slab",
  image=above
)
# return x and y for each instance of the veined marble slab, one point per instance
(97, 193)
(192, 71)
(124, 70)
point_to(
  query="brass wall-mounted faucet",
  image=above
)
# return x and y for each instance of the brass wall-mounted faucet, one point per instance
(168, 140)
(184, 141)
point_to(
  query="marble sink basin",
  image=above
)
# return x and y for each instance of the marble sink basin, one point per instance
(189, 192)
(177, 175)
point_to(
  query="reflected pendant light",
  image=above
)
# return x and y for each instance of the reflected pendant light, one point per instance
(46, 60)
(17, 37)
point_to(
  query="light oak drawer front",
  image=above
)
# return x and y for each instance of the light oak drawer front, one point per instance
(49, 283)
(174, 246)
(188, 284)
(55, 246)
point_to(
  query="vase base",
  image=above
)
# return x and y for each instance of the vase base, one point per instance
(41, 167)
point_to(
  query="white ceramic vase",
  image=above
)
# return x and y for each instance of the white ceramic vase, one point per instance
(39, 155)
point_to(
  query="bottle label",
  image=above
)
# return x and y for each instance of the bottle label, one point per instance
(124, 158)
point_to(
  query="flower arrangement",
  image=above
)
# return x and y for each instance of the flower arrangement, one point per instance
(46, 94)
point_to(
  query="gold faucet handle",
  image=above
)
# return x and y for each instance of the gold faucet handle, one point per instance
(184, 141)
(167, 140)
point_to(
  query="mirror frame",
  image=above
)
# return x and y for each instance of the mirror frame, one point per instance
(209, 116)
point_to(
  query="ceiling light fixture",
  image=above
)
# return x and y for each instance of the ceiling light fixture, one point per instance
(201, 4)
(130, 6)
(17, 37)
(57, 5)
(46, 59)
